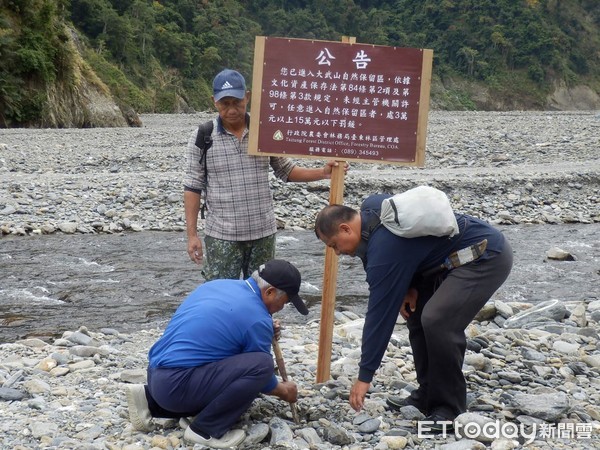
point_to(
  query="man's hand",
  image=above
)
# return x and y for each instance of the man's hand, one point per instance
(328, 168)
(358, 393)
(286, 390)
(194, 249)
(409, 304)
(305, 174)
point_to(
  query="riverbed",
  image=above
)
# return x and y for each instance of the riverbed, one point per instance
(92, 223)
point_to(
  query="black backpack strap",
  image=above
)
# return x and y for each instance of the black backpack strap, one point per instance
(368, 228)
(204, 137)
(204, 142)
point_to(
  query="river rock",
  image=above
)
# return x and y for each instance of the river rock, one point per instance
(486, 313)
(496, 178)
(411, 412)
(511, 169)
(67, 227)
(504, 444)
(559, 254)
(578, 315)
(134, 376)
(9, 209)
(468, 423)
(80, 338)
(33, 342)
(336, 435)
(464, 444)
(36, 386)
(281, 434)
(548, 406)
(504, 309)
(81, 365)
(311, 436)
(369, 426)
(530, 354)
(9, 394)
(394, 442)
(592, 360)
(86, 350)
(256, 433)
(566, 348)
(90, 404)
(43, 429)
(551, 310)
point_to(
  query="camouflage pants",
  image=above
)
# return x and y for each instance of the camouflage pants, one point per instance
(227, 259)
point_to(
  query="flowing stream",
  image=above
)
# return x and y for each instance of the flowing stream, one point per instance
(53, 283)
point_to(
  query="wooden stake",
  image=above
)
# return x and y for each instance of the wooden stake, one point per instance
(283, 374)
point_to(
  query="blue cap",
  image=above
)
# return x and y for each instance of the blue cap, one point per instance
(229, 83)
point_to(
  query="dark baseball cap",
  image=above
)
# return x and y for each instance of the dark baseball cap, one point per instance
(284, 276)
(229, 83)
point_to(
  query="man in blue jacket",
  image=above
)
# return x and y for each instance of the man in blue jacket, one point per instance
(214, 358)
(407, 276)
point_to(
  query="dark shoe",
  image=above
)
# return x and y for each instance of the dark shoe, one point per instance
(441, 424)
(395, 402)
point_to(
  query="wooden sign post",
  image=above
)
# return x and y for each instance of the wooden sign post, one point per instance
(330, 272)
(336, 196)
(340, 101)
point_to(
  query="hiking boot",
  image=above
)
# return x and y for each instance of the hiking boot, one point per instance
(230, 439)
(441, 423)
(139, 413)
(395, 402)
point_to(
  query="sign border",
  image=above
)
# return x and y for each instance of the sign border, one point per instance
(256, 97)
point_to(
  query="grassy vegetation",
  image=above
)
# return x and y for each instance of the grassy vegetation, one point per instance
(157, 55)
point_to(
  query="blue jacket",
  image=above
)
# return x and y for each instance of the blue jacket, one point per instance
(391, 262)
(219, 319)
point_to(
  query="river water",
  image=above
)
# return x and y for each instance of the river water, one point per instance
(53, 283)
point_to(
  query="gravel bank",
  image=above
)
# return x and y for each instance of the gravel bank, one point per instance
(533, 377)
(520, 167)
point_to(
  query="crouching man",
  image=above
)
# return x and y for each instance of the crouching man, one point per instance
(214, 358)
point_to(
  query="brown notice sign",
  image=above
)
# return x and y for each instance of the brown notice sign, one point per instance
(333, 100)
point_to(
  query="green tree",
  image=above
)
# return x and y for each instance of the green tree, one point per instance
(468, 55)
(11, 86)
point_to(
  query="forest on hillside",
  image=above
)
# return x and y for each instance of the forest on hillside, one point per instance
(155, 55)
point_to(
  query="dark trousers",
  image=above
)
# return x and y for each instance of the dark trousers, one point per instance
(437, 329)
(216, 393)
